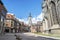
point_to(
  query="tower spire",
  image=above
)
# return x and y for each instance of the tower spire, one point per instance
(30, 19)
(30, 14)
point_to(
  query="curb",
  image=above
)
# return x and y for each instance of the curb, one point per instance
(47, 36)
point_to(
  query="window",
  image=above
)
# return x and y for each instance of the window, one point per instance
(7, 25)
(53, 7)
(2, 18)
(44, 0)
(3, 12)
(58, 1)
(11, 23)
(8, 16)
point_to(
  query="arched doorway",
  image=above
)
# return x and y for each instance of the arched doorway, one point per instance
(7, 30)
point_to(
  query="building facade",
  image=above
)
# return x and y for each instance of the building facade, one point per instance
(17, 25)
(9, 22)
(51, 11)
(36, 27)
(12, 24)
(3, 12)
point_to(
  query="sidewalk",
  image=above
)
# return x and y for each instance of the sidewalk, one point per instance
(7, 37)
(46, 36)
(36, 35)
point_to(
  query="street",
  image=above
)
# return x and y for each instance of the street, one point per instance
(30, 36)
(23, 36)
(7, 37)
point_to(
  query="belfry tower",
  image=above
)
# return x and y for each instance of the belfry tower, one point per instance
(30, 19)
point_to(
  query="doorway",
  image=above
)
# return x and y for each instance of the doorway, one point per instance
(7, 30)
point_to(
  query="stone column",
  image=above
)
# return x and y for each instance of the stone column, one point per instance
(44, 25)
(46, 21)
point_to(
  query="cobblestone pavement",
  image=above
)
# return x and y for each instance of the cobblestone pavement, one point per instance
(7, 37)
(24, 36)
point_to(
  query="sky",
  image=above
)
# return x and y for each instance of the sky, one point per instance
(22, 8)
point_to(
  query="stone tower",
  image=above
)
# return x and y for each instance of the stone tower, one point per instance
(30, 19)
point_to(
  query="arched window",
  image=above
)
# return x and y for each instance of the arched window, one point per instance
(58, 0)
(53, 8)
(58, 11)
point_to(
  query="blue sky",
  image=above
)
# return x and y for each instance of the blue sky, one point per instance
(22, 8)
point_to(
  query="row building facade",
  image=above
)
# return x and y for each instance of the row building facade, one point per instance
(12, 24)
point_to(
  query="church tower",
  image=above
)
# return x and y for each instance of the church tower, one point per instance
(30, 19)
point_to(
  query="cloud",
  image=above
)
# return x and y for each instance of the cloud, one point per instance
(34, 19)
(10, 13)
(23, 20)
(38, 18)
